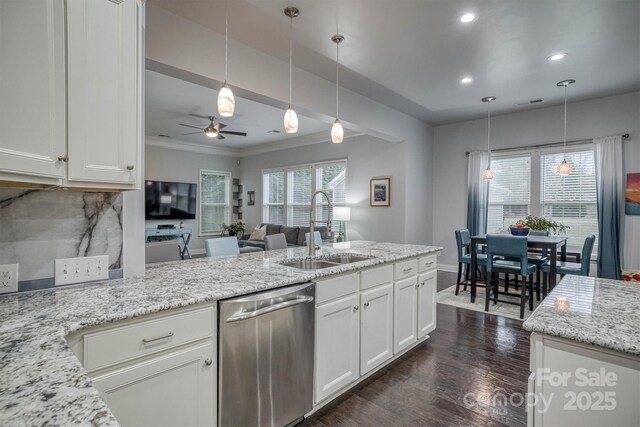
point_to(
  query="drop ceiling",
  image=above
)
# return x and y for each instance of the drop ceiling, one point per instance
(411, 54)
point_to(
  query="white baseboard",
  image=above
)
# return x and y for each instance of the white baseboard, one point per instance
(448, 268)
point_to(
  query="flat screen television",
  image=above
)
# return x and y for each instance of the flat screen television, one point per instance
(170, 200)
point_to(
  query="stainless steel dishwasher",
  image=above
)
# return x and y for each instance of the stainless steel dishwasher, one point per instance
(265, 357)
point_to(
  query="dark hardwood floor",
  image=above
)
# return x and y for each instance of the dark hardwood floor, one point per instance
(480, 356)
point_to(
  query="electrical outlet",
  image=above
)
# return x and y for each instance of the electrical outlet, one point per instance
(8, 278)
(82, 269)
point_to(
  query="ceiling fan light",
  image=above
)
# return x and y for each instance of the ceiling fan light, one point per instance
(337, 132)
(211, 131)
(563, 168)
(290, 121)
(488, 174)
(226, 101)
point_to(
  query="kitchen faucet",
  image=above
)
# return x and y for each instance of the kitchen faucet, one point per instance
(312, 222)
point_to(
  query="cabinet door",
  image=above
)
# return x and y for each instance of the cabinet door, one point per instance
(376, 327)
(175, 389)
(103, 50)
(337, 345)
(427, 303)
(404, 313)
(32, 90)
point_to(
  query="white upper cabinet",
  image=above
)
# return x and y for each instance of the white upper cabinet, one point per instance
(32, 91)
(71, 92)
(103, 52)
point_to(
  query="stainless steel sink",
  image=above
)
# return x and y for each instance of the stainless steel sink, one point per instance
(347, 258)
(310, 264)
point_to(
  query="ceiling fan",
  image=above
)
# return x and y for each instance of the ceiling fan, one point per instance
(213, 130)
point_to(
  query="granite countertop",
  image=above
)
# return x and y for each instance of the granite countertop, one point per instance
(602, 312)
(42, 381)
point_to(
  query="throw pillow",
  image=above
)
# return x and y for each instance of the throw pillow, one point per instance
(258, 233)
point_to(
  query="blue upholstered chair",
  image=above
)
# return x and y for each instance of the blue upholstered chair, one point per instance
(502, 253)
(222, 246)
(463, 241)
(275, 241)
(317, 238)
(579, 269)
(537, 258)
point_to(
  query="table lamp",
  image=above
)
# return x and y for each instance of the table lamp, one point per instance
(342, 214)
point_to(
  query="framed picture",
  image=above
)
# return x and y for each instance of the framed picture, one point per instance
(632, 196)
(380, 192)
(252, 198)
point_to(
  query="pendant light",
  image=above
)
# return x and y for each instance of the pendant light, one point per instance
(487, 174)
(226, 100)
(337, 132)
(290, 116)
(564, 168)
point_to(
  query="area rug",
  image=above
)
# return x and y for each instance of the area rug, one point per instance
(463, 300)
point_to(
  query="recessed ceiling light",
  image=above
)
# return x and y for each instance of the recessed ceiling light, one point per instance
(273, 131)
(468, 17)
(466, 80)
(556, 56)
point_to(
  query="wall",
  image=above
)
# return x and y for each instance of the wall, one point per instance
(600, 117)
(178, 47)
(39, 226)
(162, 164)
(367, 157)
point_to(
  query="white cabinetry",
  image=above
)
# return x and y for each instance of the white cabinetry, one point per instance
(376, 327)
(32, 90)
(427, 287)
(337, 344)
(582, 385)
(156, 371)
(71, 92)
(405, 317)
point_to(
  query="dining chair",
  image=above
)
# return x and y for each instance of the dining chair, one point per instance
(222, 246)
(166, 250)
(502, 250)
(537, 258)
(317, 238)
(275, 241)
(463, 241)
(579, 269)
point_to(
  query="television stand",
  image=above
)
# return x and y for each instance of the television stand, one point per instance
(184, 234)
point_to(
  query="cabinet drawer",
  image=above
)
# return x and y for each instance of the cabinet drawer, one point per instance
(128, 342)
(336, 287)
(427, 263)
(376, 276)
(405, 269)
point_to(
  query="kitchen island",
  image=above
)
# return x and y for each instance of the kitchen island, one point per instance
(44, 382)
(585, 355)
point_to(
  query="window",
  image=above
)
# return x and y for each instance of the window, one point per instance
(509, 192)
(571, 200)
(287, 192)
(214, 201)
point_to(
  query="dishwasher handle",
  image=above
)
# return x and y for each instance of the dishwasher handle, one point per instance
(251, 314)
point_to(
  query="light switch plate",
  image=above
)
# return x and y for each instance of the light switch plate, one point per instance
(8, 278)
(82, 269)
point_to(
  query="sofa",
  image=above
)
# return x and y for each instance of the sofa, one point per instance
(295, 235)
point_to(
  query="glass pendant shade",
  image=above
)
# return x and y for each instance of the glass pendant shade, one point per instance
(488, 174)
(226, 102)
(337, 132)
(563, 168)
(290, 121)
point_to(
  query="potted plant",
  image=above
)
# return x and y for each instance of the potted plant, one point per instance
(236, 228)
(532, 222)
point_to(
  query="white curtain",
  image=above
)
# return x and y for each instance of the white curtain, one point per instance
(477, 193)
(610, 190)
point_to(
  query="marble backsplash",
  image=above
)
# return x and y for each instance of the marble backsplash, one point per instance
(39, 226)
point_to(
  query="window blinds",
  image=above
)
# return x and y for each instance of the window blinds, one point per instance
(509, 192)
(571, 200)
(331, 177)
(273, 197)
(214, 201)
(299, 192)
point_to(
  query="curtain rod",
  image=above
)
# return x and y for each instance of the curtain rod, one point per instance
(550, 144)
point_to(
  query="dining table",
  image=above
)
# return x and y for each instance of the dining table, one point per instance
(551, 243)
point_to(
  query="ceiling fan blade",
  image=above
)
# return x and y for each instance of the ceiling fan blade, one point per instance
(190, 126)
(220, 137)
(229, 132)
(199, 116)
(193, 133)
(221, 126)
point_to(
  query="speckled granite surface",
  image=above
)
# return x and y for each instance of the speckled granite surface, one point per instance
(41, 380)
(601, 312)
